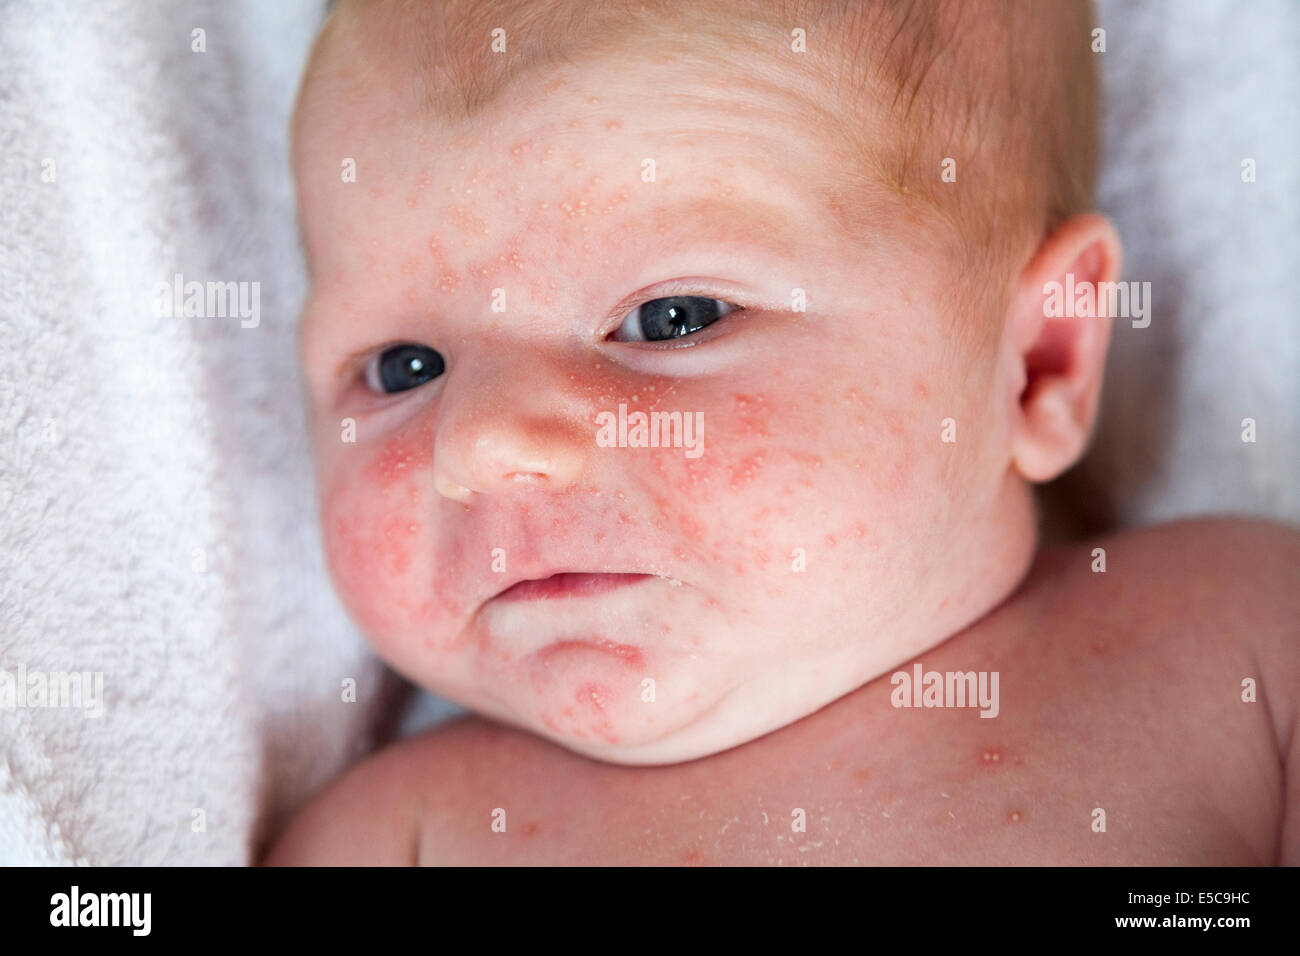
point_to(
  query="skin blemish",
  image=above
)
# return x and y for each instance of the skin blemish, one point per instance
(746, 471)
(991, 757)
(401, 457)
(753, 413)
(597, 695)
(530, 829)
(468, 223)
(448, 279)
(1014, 816)
(613, 126)
(512, 259)
(807, 459)
(593, 698)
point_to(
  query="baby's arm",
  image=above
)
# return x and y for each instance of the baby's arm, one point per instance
(1270, 615)
(364, 818)
(1289, 716)
(1289, 851)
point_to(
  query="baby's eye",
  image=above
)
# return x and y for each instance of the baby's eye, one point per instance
(402, 367)
(670, 318)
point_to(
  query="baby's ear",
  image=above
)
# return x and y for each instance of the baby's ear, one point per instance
(1056, 333)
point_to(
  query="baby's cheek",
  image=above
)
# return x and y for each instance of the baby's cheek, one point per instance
(793, 497)
(377, 542)
(775, 479)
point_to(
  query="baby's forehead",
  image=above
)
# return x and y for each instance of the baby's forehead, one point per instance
(382, 74)
(901, 86)
(458, 59)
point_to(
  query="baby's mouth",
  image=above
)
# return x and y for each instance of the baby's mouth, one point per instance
(569, 584)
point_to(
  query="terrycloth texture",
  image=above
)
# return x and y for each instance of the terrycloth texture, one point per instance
(154, 472)
(159, 525)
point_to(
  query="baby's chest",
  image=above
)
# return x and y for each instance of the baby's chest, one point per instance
(944, 791)
(993, 806)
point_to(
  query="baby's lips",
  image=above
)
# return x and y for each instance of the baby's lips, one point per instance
(570, 584)
(510, 577)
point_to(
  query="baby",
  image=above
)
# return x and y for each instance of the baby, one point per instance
(681, 374)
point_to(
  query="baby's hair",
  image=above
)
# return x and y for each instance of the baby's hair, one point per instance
(1001, 94)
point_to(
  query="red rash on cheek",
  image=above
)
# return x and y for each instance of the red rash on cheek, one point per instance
(753, 413)
(381, 549)
(401, 459)
(742, 463)
(396, 550)
(359, 560)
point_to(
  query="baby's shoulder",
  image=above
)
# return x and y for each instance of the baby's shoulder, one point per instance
(1220, 567)
(1223, 549)
(1235, 575)
(371, 814)
(1218, 596)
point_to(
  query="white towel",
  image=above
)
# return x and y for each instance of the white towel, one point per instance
(154, 473)
(159, 526)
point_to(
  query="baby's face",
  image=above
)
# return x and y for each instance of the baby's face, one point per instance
(817, 531)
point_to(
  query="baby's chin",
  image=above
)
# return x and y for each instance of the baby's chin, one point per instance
(607, 701)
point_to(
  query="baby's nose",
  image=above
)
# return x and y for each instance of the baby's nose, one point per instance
(504, 429)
